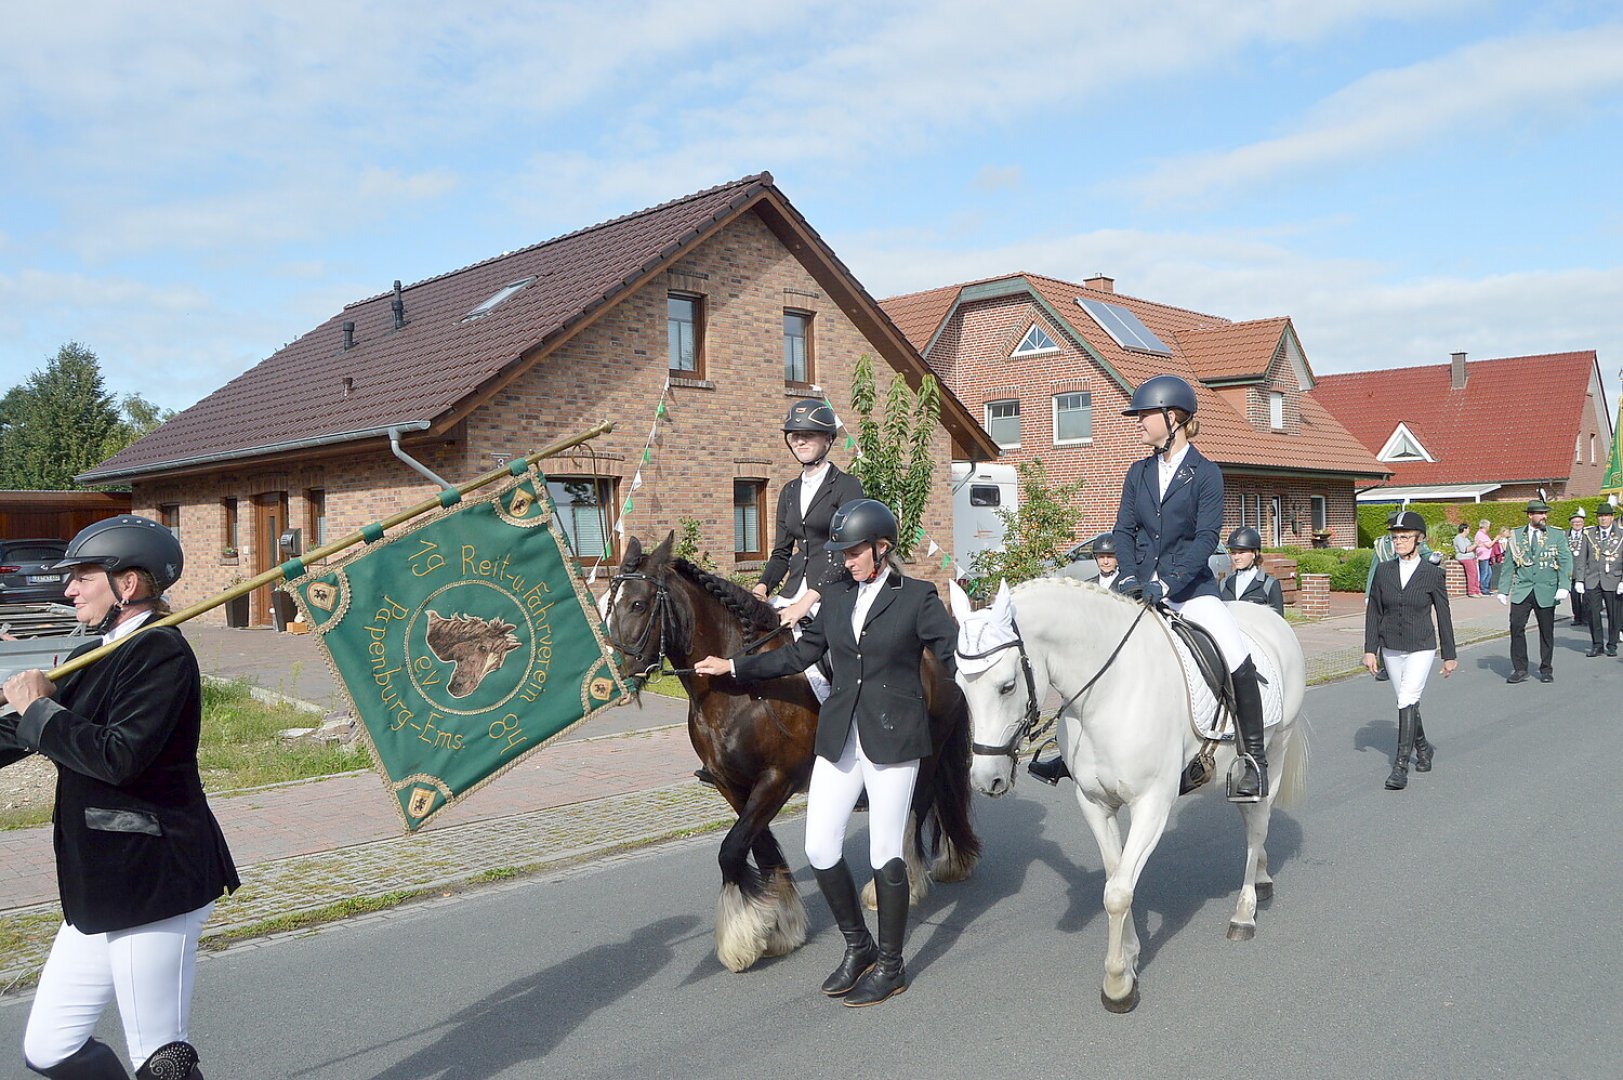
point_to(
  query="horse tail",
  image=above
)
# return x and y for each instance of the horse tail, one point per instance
(1293, 774)
(953, 835)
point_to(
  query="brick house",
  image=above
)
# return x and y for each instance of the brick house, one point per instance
(1049, 365)
(1496, 429)
(726, 303)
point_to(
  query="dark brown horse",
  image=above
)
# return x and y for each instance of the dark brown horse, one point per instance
(756, 741)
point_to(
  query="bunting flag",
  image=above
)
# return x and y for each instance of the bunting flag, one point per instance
(464, 642)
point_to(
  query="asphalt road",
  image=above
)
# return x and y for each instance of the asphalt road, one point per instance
(1465, 927)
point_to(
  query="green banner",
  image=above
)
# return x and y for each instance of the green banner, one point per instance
(1612, 482)
(465, 642)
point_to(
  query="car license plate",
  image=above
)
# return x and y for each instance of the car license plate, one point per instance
(44, 579)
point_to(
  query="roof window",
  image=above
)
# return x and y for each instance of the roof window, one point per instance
(496, 299)
(1123, 327)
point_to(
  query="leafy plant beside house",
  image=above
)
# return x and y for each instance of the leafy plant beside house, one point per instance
(895, 464)
(1034, 536)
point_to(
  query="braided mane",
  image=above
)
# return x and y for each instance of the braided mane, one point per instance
(755, 613)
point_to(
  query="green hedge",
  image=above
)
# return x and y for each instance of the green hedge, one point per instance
(1347, 567)
(1443, 519)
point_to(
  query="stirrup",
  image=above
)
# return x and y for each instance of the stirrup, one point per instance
(1052, 771)
(1244, 766)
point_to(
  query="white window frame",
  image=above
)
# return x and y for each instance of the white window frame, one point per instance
(1016, 418)
(1320, 512)
(1276, 410)
(1085, 440)
(1021, 350)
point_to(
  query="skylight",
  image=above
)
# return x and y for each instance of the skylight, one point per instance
(1035, 341)
(1123, 327)
(496, 299)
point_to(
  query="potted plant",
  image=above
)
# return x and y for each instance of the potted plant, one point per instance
(228, 554)
(236, 608)
(1322, 537)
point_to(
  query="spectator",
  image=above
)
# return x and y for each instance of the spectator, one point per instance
(1465, 552)
(1484, 556)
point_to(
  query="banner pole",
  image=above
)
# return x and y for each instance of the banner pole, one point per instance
(274, 574)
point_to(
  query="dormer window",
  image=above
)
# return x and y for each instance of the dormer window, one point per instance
(496, 299)
(1035, 342)
(1403, 445)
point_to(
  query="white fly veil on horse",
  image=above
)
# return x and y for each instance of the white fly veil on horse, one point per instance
(983, 634)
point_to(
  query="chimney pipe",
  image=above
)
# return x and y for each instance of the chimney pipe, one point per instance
(1101, 283)
(349, 335)
(1457, 371)
(399, 307)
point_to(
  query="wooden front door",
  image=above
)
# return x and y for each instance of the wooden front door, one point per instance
(270, 521)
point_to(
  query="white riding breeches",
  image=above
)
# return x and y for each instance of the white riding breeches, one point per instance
(833, 794)
(1214, 617)
(149, 969)
(1409, 672)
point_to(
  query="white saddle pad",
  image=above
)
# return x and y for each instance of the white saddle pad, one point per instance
(1204, 703)
(819, 685)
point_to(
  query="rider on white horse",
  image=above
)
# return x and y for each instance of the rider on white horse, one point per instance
(1166, 530)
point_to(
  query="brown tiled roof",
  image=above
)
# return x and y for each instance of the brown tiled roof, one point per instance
(1479, 433)
(1221, 350)
(314, 392)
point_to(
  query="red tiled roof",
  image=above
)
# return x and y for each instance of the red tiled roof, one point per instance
(1203, 347)
(313, 392)
(1478, 434)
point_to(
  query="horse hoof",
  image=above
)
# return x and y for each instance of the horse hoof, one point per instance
(1120, 1005)
(1265, 890)
(1239, 931)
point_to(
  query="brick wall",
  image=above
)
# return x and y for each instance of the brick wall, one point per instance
(722, 426)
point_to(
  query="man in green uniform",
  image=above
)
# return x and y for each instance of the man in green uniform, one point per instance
(1537, 568)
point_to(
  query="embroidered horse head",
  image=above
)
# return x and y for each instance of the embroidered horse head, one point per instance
(477, 647)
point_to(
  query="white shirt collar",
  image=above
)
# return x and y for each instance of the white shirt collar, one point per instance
(1169, 463)
(127, 627)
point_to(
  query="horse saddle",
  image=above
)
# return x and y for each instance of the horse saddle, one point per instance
(1211, 693)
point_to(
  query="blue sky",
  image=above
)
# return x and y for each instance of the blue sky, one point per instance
(188, 186)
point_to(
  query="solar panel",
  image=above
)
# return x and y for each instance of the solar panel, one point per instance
(1123, 327)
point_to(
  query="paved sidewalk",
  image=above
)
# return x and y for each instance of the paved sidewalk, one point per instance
(622, 780)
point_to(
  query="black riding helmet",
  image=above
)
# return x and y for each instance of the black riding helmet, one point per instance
(861, 521)
(126, 542)
(1104, 544)
(1245, 538)
(809, 414)
(1162, 394)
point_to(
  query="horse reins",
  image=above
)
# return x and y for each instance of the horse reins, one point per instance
(662, 602)
(1033, 725)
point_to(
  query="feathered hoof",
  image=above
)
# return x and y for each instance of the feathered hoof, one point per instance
(1241, 931)
(788, 931)
(1120, 1005)
(744, 928)
(952, 866)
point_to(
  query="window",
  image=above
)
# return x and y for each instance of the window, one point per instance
(495, 299)
(1073, 418)
(749, 509)
(1592, 449)
(684, 325)
(797, 347)
(1123, 327)
(1276, 410)
(169, 517)
(985, 495)
(585, 513)
(229, 541)
(1321, 513)
(1578, 451)
(315, 518)
(1003, 422)
(1036, 341)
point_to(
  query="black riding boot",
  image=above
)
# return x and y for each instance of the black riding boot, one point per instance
(1422, 749)
(888, 977)
(92, 1061)
(1050, 772)
(860, 951)
(1248, 777)
(1400, 762)
(172, 1061)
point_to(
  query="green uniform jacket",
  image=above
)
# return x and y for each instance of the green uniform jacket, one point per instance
(1536, 566)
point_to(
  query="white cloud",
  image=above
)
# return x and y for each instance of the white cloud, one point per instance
(1495, 85)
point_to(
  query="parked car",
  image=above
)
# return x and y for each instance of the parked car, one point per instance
(1077, 562)
(25, 574)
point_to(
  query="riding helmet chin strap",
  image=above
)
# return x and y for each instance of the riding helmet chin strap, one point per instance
(119, 606)
(1172, 433)
(815, 462)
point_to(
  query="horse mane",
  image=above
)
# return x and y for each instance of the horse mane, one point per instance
(1073, 583)
(755, 613)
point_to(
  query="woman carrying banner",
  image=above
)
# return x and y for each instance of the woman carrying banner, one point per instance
(140, 859)
(1398, 627)
(871, 733)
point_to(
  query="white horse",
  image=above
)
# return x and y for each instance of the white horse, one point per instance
(1126, 737)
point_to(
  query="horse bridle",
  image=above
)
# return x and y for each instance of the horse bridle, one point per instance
(661, 610)
(1033, 726)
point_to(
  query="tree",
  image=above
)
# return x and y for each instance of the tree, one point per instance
(1034, 535)
(57, 424)
(138, 417)
(895, 464)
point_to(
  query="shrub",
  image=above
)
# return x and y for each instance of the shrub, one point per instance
(1351, 574)
(1317, 562)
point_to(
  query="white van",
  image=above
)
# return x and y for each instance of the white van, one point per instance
(979, 491)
